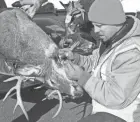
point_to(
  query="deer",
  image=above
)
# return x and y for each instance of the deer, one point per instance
(29, 54)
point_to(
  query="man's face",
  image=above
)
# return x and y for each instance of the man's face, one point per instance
(105, 32)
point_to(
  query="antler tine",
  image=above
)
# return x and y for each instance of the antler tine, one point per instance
(81, 9)
(82, 12)
(17, 87)
(60, 100)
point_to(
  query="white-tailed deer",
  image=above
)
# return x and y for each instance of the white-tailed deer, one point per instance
(29, 54)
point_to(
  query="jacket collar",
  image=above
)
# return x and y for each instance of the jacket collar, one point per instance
(117, 38)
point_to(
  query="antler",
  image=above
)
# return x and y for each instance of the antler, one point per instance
(52, 95)
(17, 87)
(31, 6)
(73, 9)
(60, 101)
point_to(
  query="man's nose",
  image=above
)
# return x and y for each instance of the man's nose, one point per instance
(96, 29)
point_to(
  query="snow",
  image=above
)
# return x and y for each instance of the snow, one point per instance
(131, 5)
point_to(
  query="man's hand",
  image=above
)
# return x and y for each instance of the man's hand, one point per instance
(73, 71)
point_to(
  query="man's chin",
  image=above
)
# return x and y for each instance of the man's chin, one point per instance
(103, 39)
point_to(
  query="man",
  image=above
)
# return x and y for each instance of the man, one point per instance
(111, 75)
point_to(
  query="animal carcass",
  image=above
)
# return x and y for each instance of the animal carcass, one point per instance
(29, 54)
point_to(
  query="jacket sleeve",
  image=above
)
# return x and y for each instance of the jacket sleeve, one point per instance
(123, 84)
(86, 62)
